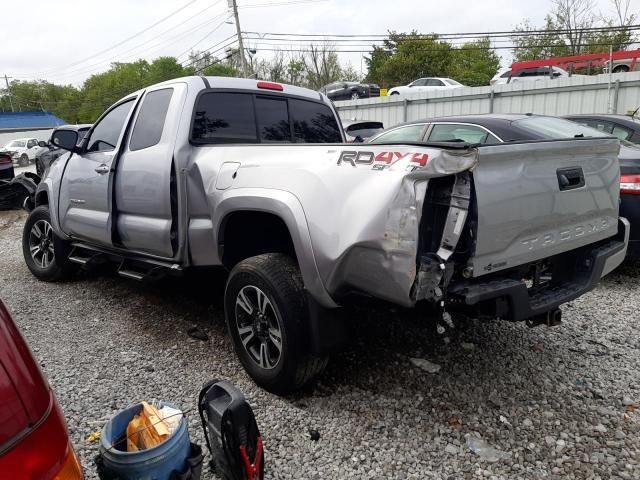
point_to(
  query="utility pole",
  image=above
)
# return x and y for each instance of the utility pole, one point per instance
(6, 80)
(243, 61)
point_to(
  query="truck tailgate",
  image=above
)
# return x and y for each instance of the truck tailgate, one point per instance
(536, 200)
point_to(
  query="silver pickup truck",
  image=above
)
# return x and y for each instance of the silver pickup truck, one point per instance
(255, 177)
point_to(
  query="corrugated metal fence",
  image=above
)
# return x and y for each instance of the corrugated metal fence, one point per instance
(577, 94)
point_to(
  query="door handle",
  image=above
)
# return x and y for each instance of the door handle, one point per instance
(102, 169)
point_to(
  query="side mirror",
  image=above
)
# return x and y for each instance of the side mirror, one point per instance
(42, 144)
(65, 139)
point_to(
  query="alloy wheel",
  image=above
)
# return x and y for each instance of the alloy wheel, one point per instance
(259, 327)
(41, 243)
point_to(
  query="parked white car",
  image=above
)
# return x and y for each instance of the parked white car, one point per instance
(22, 150)
(527, 75)
(428, 84)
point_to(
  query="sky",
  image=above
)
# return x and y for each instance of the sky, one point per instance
(66, 41)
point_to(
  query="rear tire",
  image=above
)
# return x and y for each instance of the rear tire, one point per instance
(621, 69)
(45, 254)
(266, 313)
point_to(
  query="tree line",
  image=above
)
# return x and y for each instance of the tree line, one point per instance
(401, 58)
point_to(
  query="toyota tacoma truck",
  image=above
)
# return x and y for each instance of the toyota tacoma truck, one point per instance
(255, 177)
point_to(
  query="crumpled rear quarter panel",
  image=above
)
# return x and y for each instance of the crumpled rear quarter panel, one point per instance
(362, 205)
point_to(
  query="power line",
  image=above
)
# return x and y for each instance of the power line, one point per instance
(277, 4)
(211, 51)
(440, 50)
(202, 39)
(121, 42)
(457, 35)
(191, 30)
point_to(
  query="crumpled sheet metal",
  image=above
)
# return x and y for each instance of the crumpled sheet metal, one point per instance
(385, 264)
(14, 192)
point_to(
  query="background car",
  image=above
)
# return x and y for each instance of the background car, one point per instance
(34, 442)
(364, 129)
(6, 167)
(350, 90)
(621, 126)
(428, 84)
(48, 153)
(22, 150)
(623, 65)
(527, 75)
(498, 128)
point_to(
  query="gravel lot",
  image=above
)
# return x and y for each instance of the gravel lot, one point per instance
(552, 399)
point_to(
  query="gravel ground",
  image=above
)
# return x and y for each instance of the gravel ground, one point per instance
(553, 400)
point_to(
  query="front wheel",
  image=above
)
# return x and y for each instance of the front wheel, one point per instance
(267, 318)
(355, 96)
(45, 254)
(24, 160)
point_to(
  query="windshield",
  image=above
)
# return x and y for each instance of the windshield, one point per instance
(16, 144)
(556, 128)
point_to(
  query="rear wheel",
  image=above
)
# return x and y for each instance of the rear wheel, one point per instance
(620, 69)
(45, 254)
(267, 318)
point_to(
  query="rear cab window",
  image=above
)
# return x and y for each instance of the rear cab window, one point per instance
(246, 117)
(149, 125)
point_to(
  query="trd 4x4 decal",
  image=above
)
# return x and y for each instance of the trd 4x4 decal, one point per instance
(383, 159)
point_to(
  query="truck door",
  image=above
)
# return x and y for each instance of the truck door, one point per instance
(145, 187)
(85, 190)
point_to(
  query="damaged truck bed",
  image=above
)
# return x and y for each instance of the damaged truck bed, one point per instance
(252, 176)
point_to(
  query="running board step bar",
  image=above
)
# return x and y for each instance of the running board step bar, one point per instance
(141, 272)
(131, 265)
(86, 257)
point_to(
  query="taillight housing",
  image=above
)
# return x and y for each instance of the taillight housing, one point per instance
(630, 184)
(4, 159)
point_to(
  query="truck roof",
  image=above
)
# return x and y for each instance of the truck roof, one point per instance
(199, 83)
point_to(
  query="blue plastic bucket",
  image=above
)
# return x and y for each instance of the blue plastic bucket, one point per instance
(155, 463)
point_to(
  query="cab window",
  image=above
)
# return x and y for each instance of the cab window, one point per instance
(229, 117)
(150, 122)
(104, 136)
(313, 122)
